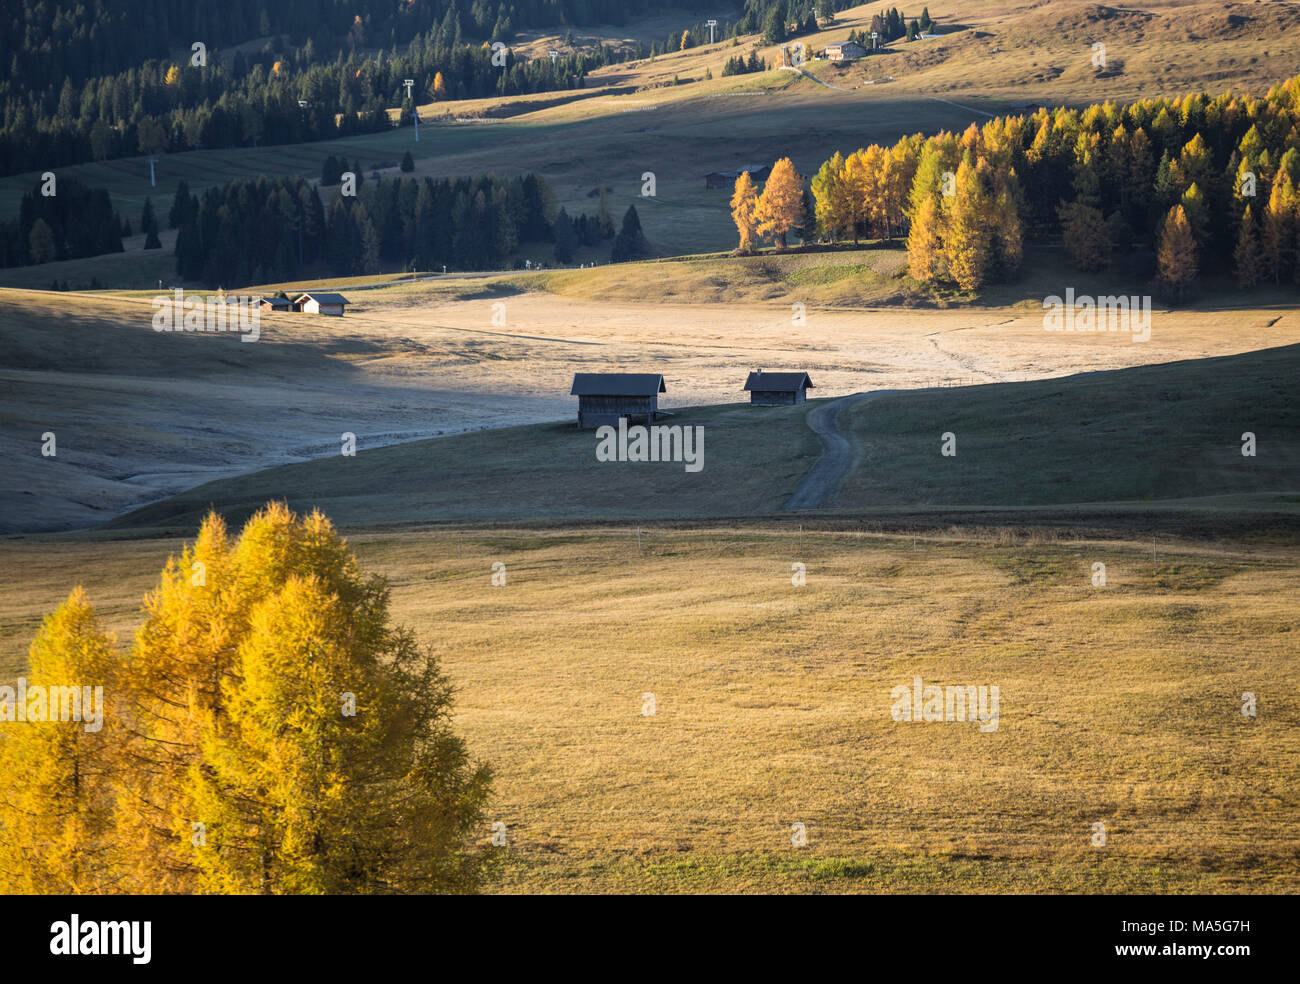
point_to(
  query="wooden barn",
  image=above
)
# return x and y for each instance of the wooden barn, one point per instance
(845, 51)
(318, 303)
(777, 389)
(277, 304)
(758, 173)
(604, 397)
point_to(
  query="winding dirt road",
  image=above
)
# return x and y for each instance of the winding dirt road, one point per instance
(820, 484)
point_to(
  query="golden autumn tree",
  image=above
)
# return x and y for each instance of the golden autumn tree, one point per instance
(875, 160)
(272, 732)
(57, 807)
(290, 739)
(780, 207)
(830, 197)
(744, 205)
(855, 185)
(1008, 231)
(439, 87)
(1176, 257)
(183, 653)
(1280, 220)
(337, 770)
(968, 244)
(925, 258)
(1086, 235)
(900, 170)
(1247, 256)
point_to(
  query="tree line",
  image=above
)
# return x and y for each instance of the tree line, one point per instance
(76, 222)
(346, 65)
(270, 230)
(262, 100)
(270, 731)
(1196, 184)
(45, 41)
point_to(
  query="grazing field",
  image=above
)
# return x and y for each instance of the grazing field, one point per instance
(1118, 705)
(1167, 432)
(753, 457)
(1154, 432)
(417, 360)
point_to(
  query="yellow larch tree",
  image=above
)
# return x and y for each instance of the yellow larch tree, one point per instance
(1247, 255)
(1280, 220)
(856, 188)
(744, 204)
(780, 207)
(829, 197)
(925, 260)
(1176, 257)
(970, 225)
(57, 805)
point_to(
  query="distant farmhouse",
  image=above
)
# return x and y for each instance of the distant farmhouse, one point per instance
(275, 304)
(316, 303)
(845, 51)
(727, 179)
(777, 389)
(604, 397)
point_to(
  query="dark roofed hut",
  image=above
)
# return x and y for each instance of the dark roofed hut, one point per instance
(777, 389)
(604, 397)
(318, 302)
(758, 173)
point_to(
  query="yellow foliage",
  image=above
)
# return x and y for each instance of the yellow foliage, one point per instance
(744, 205)
(57, 803)
(780, 207)
(1176, 258)
(275, 735)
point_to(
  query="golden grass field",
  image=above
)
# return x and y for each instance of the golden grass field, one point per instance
(1118, 705)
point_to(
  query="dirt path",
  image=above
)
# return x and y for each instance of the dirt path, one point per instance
(969, 109)
(809, 75)
(819, 485)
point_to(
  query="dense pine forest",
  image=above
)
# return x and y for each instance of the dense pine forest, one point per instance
(120, 77)
(273, 230)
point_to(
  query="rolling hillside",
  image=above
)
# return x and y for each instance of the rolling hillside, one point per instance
(632, 118)
(1169, 432)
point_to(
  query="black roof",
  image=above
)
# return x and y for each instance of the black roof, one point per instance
(322, 298)
(617, 384)
(781, 382)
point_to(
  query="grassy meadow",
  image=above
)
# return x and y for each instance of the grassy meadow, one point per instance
(1142, 435)
(1118, 705)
